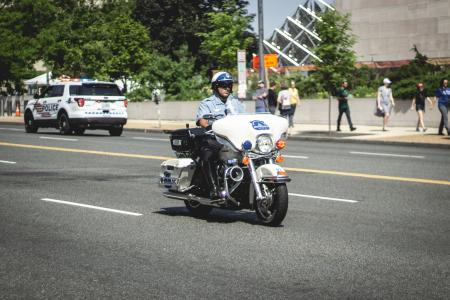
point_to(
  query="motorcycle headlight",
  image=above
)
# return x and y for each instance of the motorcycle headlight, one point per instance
(264, 144)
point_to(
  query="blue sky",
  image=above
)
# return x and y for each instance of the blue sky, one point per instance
(275, 12)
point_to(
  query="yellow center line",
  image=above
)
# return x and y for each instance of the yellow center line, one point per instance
(85, 151)
(371, 176)
(153, 157)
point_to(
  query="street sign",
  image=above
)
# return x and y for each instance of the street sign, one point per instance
(242, 74)
(270, 61)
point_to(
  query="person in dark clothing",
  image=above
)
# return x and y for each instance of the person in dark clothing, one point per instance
(342, 97)
(272, 98)
(418, 104)
(443, 100)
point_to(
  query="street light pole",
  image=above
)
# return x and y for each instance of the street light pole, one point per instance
(261, 40)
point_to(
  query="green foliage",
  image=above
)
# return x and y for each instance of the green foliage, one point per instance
(227, 36)
(20, 24)
(418, 70)
(97, 42)
(363, 91)
(176, 77)
(334, 49)
(174, 23)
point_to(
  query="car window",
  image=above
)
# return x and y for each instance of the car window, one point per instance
(95, 89)
(58, 90)
(47, 92)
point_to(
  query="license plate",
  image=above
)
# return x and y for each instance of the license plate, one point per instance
(105, 106)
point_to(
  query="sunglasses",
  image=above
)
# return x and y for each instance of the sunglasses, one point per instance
(225, 84)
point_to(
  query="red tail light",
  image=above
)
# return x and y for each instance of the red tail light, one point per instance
(125, 102)
(80, 102)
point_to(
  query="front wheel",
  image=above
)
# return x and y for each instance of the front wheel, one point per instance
(272, 210)
(64, 125)
(198, 210)
(30, 124)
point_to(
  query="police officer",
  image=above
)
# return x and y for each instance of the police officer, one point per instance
(217, 106)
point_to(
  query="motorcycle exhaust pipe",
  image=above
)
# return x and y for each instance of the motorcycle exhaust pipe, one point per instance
(236, 173)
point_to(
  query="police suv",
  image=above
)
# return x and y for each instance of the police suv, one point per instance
(73, 106)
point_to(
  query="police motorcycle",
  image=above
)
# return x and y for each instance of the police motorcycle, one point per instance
(247, 173)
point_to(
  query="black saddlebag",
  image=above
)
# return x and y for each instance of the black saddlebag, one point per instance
(186, 142)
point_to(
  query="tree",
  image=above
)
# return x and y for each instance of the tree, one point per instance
(337, 59)
(97, 40)
(129, 47)
(173, 24)
(228, 36)
(20, 24)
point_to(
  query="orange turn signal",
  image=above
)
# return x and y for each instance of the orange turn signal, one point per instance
(245, 160)
(280, 144)
(282, 173)
(279, 159)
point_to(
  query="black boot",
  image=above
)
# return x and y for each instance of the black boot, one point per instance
(208, 174)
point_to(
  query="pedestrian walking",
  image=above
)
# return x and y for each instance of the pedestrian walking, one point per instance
(260, 98)
(418, 103)
(272, 98)
(294, 100)
(284, 102)
(385, 101)
(342, 97)
(443, 98)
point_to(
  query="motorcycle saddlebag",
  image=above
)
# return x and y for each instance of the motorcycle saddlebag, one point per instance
(186, 140)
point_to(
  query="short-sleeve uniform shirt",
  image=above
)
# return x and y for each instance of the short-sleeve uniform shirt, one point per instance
(213, 105)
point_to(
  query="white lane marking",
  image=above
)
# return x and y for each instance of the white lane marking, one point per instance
(92, 206)
(324, 198)
(57, 138)
(296, 156)
(150, 139)
(7, 162)
(387, 154)
(12, 129)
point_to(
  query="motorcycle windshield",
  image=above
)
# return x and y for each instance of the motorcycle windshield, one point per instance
(247, 127)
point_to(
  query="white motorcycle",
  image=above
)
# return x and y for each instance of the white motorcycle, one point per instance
(246, 170)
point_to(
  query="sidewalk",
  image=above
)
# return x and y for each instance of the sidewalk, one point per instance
(363, 134)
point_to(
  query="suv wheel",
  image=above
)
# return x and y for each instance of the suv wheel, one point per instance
(30, 124)
(64, 125)
(115, 131)
(79, 131)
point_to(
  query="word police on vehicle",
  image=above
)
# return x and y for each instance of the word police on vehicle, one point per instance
(72, 106)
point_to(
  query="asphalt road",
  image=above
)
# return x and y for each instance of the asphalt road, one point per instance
(364, 222)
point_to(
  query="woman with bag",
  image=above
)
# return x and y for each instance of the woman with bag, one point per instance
(385, 101)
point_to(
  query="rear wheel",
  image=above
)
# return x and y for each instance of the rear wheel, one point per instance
(30, 124)
(64, 125)
(198, 210)
(116, 131)
(79, 131)
(273, 209)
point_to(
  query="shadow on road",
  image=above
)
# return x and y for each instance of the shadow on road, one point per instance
(216, 216)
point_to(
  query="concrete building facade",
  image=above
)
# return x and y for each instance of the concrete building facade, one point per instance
(386, 30)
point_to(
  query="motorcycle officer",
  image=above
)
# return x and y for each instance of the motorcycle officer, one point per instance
(217, 106)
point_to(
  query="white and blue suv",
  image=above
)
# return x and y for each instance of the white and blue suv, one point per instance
(74, 106)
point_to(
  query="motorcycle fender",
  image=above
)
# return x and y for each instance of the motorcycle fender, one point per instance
(271, 173)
